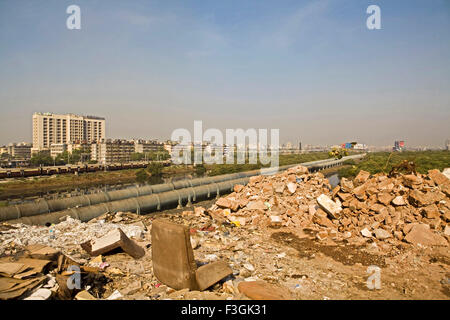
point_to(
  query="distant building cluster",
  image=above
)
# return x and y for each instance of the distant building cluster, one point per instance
(55, 134)
(399, 146)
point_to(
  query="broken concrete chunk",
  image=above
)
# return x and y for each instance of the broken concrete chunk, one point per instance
(292, 187)
(431, 211)
(256, 205)
(209, 274)
(346, 185)
(366, 233)
(279, 187)
(223, 203)
(446, 172)
(385, 197)
(438, 177)
(115, 239)
(84, 295)
(261, 290)
(421, 234)
(322, 235)
(382, 234)
(399, 201)
(329, 206)
(447, 230)
(362, 177)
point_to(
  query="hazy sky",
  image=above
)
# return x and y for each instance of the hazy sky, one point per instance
(309, 68)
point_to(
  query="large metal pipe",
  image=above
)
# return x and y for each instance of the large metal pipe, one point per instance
(142, 204)
(106, 201)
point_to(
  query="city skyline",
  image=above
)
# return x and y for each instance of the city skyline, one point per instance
(304, 67)
(103, 137)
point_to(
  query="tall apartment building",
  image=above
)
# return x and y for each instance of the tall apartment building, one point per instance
(49, 128)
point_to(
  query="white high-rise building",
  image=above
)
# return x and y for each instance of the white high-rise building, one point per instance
(49, 128)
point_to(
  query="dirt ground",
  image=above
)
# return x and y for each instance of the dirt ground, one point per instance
(295, 259)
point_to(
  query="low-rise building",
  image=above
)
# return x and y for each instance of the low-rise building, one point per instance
(57, 149)
(20, 151)
(147, 146)
(112, 151)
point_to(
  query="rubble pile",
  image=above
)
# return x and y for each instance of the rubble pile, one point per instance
(411, 208)
(66, 236)
(286, 199)
(407, 207)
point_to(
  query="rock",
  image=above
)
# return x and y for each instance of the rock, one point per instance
(398, 235)
(446, 172)
(279, 187)
(249, 267)
(378, 208)
(300, 170)
(244, 273)
(228, 287)
(292, 187)
(438, 177)
(261, 290)
(223, 203)
(366, 233)
(385, 197)
(329, 206)
(194, 242)
(362, 177)
(447, 231)
(431, 211)
(407, 228)
(116, 295)
(217, 216)
(256, 205)
(399, 201)
(209, 274)
(346, 185)
(254, 180)
(320, 217)
(411, 180)
(238, 188)
(84, 295)
(418, 198)
(421, 234)
(275, 221)
(382, 234)
(360, 192)
(322, 235)
(199, 211)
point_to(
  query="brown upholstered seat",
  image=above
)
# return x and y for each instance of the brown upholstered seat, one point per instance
(173, 259)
